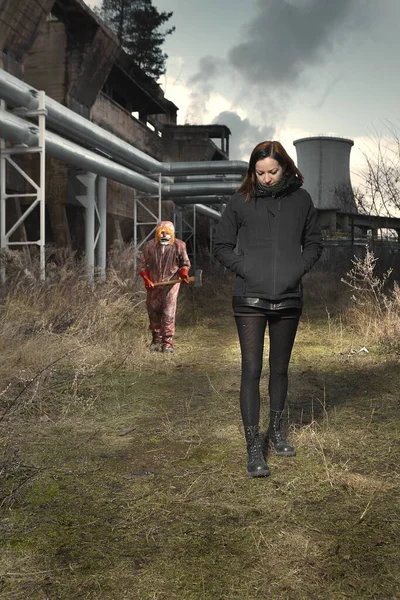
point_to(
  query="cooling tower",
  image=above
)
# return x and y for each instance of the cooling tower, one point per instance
(325, 165)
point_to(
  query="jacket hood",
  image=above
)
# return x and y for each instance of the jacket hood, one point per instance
(294, 183)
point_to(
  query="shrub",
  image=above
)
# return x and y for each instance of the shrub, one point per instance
(376, 303)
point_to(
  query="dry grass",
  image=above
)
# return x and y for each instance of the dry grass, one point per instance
(122, 472)
(65, 329)
(375, 310)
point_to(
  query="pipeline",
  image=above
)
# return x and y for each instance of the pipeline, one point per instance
(202, 200)
(206, 211)
(12, 130)
(19, 131)
(70, 125)
(220, 177)
(176, 190)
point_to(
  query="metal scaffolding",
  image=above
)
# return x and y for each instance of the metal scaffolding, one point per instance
(156, 218)
(37, 195)
(185, 228)
(99, 155)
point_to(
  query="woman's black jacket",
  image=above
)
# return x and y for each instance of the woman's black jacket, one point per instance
(278, 241)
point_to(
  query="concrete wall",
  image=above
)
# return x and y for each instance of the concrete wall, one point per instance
(188, 149)
(182, 151)
(59, 63)
(70, 64)
(108, 114)
(192, 143)
(19, 23)
(47, 67)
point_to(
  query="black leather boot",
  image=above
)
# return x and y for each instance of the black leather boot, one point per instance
(256, 465)
(276, 435)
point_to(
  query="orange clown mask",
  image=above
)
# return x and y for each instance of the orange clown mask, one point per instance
(165, 233)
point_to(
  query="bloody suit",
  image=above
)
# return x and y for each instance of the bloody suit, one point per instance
(163, 263)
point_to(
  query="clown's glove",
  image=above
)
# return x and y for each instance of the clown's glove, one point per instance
(184, 275)
(148, 284)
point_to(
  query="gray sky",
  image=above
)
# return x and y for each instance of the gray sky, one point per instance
(285, 68)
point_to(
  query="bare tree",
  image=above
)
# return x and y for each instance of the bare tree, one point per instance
(380, 192)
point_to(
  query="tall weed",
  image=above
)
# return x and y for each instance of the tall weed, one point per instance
(65, 323)
(375, 309)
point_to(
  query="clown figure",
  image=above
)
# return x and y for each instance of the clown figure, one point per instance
(162, 259)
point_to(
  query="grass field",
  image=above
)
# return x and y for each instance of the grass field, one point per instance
(123, 472)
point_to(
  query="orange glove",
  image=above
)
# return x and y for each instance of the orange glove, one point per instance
(148, 284)
(184, 275)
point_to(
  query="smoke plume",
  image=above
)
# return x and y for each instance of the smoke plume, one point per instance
(244, 135)
(278, 45)
(285, 38)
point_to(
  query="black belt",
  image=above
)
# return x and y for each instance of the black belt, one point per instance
(264, 304)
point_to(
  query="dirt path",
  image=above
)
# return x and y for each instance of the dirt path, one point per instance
(133, 486)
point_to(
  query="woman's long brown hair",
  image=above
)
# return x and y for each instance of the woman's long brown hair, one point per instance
(268, 149)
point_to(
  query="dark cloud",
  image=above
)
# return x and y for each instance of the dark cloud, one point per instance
(278, 44)
(209, 67)
(244, 135)
(285, 37)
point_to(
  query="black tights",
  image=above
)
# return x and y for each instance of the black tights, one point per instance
(282, 333)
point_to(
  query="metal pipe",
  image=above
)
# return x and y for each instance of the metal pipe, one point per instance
(11, 129)
(206, 211)
(175, 190)
(209, 177)
(41, 192)
(3, 191)
(194, 236)
(17, 93)
(204, 166)
(71, 153)
(71, 125)
(90, 181)
(15, 129)
(201, 200)
(101, 247)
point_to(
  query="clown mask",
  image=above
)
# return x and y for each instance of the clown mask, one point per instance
(165, 233)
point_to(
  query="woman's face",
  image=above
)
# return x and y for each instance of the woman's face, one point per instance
(268, 171)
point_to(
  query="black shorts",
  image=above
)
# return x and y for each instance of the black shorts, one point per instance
(289, 308)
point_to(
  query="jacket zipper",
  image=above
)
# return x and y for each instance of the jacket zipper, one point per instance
(276, 244)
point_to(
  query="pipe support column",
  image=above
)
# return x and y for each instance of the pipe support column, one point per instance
(88, 200)
(101, 247)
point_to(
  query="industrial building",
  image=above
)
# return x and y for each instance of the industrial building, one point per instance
(325, 164)
(116, 160)
(63, 48)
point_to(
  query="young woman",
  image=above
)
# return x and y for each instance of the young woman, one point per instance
(268, 235)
